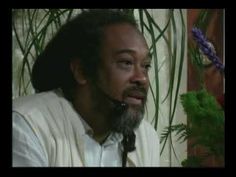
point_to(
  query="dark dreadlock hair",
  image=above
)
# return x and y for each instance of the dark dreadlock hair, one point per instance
(80, 39)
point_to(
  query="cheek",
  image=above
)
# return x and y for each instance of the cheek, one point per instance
(115, 83)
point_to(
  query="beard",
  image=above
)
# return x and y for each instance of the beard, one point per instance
(128, 120)
(121, 120)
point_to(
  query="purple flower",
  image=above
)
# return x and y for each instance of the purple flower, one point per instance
(206, 48)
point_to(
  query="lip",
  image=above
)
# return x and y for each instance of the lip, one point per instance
(135, 98)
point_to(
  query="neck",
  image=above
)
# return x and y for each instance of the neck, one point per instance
(101, 138)
(96, 119)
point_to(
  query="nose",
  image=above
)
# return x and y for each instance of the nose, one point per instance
(139, 77)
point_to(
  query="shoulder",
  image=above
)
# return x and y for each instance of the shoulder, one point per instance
(147, 145)
(146, 134)
(38, 100)
(146, 129)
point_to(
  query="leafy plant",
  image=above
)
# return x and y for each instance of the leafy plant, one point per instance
(205, 115)
(32, 29)
(206, 124)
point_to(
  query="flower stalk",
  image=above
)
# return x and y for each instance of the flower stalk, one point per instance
(207, 49)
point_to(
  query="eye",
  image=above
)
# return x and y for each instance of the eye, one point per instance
(147, 66)
(125, 63)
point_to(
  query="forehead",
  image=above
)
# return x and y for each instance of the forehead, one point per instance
(123, 36)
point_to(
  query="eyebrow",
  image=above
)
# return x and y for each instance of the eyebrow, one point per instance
(149, 56)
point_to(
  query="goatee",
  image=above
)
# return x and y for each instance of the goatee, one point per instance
(120, 120)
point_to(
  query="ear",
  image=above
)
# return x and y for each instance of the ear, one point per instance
(77, 71)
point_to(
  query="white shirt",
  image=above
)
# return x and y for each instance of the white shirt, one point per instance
(27, 150)
(48, 131)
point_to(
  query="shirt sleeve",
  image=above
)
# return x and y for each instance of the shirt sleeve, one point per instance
(26, 148)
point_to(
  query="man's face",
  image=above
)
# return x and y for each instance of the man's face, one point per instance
(123, 72)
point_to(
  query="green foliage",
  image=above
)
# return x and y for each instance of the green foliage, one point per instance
(201, 107)
(207, 120)
(181, 130)
(205, 125)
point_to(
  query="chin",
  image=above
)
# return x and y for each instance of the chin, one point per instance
(129, 120)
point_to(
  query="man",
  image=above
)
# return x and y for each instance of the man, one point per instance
(93, 83)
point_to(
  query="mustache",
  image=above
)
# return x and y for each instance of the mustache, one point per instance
(137, 90)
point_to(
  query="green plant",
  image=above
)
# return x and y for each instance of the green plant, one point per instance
(206, 125)
(32, 29)
(205, 115)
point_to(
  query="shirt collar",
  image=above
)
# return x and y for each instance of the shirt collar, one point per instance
(113, 138)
